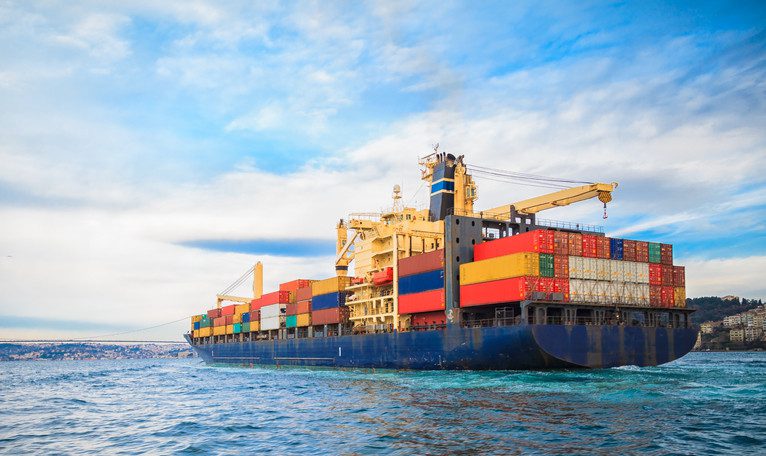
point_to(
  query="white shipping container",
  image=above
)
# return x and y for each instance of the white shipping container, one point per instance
(603, 271)
(590, 268)
(617, 270)
(582, 290)
(273, 310)
(272, 322)
(576, 267)
(642, 272)
(629, 271)
(642, 294)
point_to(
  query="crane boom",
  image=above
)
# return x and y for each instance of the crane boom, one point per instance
(556, 199)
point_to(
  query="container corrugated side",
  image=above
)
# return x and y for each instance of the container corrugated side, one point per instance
(426, 301)
(428, 319)
(666, 254)
(642, 252)
(293, 285)
(575, 244)
(679, 297)
(423, 262)
(424, 281)
(228, 310)
(303, 294)
(291, 321)
(329, 316)
(206, 332)
(546, 265)
(655, 274)
(271, 323)
(303, 320)
(329, 300)
(236, 328)
(602, 247)
(667, 275)
(242, 308)
(561, 266)
(589, 246)
(331, 285)
(219, 330)
(679, 276)
(498, 268)
(273, 310)
(536, 241)
(616, 249)
(628, 250)
(214, 313)
(654, 253)
(560, 243)
(498, 291)
(255, 326)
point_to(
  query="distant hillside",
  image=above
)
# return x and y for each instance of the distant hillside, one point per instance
(713, 308)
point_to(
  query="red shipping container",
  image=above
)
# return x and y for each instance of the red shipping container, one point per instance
(428, 319)
(540, 241)
(425, 301)
(275, 297)
(220, 321)
(330, 316)
(293, 285)
(642, 252)
(589, 246)
(602, 247)
(213, 313)
(679, 276)
(666, 254)
(255, 315)
(667, 297)
(655, 295)
(667, 275)
(422, 262)
(560, 243)
(629, 250)
(304, 306)
(561, 266)
(575, 244)
(562, 286)
(255, 304)
(291, 309)
(655, 274)
(302, 294)
(229, 319)
(383, 277)
(497, 291)
(228, 310)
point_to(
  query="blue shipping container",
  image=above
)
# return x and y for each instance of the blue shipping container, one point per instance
(196, 325)
(328, 301)
(615, 249)
(425, 281)
(246, 317)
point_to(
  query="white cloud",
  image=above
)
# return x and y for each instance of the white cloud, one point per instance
(726, 276)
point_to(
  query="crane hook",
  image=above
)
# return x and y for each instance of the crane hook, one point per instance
(605, 215)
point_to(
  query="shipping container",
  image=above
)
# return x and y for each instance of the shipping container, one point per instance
(561, 266)
(294, 285)
(667, 296)
(616, 249)
(666, 254)
(255, 326)
(603, 268)
(329, 316)
(628, 250)
(271, 323)
(642, 273)
(589, 246)
(219, 330)
(423, 262)
(642, 251)
(236, 318)
(206, 332)
(237, 328)
(246, 317)
(229, 320)
(425, 301)
(428, 319)
(255, 304)
(242, 308)
(560, 243)
(255, 315)
(502, 267)
(291, 309)
(196, 318)
(575, 244)
(537, 241)
(655, 295)
(246, 327)
(384, 277)
(576, 267)
(303, 320)
(331, 285)
(304, 307)
(195, 332)
(291, 321)
(602, 247)
(220, 321)
(679, 276)
(273, 310)
(229, 329)
(228, 310)
(655, 274)
(561, 286)
(679, 297)
(654, 253)
(667, 275)
(416, 283)
(546, 265)
(195, 325)
(303, 294)
(617, 271)
(275, 297)
(214, 313)
(505, 290)
(326, 301)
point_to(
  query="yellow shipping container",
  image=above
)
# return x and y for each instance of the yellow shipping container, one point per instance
(195, 333)
(255, 326)
(219, 330)
(236, 318)
(330, 285)
(504, 267)
(196, 318)
(304, 320)
(229, 329)
(242, 308)
(206, 332)
(680, 296)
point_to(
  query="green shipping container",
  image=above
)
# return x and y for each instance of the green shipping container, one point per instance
(205, 322)
(654, 252)
(546, 265)
(291, 321)
(237, 328)
(246, 327)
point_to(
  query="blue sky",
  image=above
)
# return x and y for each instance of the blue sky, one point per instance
(151, 152)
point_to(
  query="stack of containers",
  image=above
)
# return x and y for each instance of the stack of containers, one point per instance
(272, 308)
(421, 285)
(328, 299)
(195, 325)
(303, 306)
(292, 312)
(255, 320)
(205, 326)
(510, 268)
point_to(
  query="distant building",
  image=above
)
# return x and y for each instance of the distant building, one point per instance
(753, 333)
(758, 320)
(708, 327)
(730, 298)
(732, 320)
(737, 335)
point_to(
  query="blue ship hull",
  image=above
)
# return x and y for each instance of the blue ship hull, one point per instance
(491, 348)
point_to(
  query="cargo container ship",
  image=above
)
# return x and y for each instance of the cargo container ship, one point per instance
(450, 287)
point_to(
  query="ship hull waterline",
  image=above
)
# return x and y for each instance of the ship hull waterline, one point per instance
(456, 348)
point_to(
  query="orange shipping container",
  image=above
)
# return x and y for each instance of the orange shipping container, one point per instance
(642, 251)
(302, 294)
(589, 246)
(667, 275)
(425, 301)
(220, 321)
(668, 297)
(560, 243)
(561, 266)
(655, 295)
(536, 241)
(655, 274)
(628, 250)
(562, 286)
(666, 254)
(293, 285)
(228, 310)
(575, 244)
(602, 247)
(679, 276)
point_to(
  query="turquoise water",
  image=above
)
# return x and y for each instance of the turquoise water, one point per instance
(705, 403)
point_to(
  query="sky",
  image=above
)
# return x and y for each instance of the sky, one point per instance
(151, 152)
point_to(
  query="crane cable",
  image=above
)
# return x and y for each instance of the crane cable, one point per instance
(238, 282)
(532, 180)
(133, 330)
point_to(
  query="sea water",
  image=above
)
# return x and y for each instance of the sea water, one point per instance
(704, 403)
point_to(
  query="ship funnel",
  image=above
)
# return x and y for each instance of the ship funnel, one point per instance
(443, 188)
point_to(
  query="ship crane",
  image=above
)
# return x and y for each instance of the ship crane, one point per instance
(559, 198)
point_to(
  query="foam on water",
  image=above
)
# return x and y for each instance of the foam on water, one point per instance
(711, 403)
